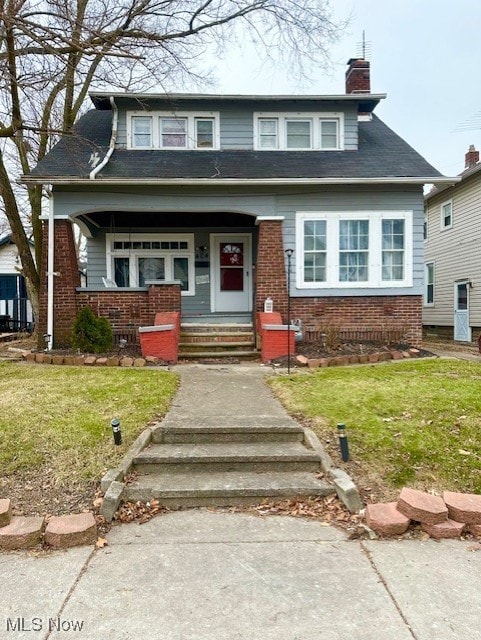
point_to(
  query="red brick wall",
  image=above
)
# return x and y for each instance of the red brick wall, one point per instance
(403, 313)
(275, 343)
(65, 282)
(271, 267)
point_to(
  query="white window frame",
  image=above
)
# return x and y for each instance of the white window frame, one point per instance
(426, 301)
(191, 139)
(168, 254)
(316, 118)
(443, 217)
(375, 218)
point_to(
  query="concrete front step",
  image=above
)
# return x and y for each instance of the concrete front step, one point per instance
(221, 489)
(205, 434)
(222, 457)
(225, 353)
(207, 340)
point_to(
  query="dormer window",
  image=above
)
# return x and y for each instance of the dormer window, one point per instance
(173, 132)
(141, 131)
(169, 130)
(298, 131)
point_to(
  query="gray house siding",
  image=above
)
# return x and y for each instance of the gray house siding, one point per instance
(200, 303)
(237, 127)
(260, 202)
(356, 199)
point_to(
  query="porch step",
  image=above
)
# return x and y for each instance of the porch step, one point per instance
(226, 456)
(211, 340)
(224, 353)
(224, 488)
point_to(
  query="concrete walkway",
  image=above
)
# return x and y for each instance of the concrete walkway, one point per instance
(205, 575)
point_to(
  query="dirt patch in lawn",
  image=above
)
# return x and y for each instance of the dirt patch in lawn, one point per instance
(35, 493)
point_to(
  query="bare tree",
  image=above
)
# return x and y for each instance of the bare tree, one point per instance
(53, 51)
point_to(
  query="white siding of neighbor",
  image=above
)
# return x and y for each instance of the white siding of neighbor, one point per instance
(8, 253)
(456, 252)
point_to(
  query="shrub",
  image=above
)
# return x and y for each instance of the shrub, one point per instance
(91, 333)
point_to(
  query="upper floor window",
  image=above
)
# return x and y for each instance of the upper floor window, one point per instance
(301, 131)
(447, 214)
(168, 130)
(358, 249)
(429, 284)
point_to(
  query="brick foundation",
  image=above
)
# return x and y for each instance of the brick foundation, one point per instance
(383, 318)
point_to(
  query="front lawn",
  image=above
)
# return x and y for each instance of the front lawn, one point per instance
(415, 423)
(55, 421)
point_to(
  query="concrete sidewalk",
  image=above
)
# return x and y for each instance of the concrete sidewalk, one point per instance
(202, 575)
(205, 575)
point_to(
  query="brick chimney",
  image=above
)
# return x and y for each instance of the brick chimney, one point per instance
(358, 76)
(471, 157)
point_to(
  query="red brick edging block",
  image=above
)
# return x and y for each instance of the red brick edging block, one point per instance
(21, 533)
(422, 506)
(5, 512)
(71, 531)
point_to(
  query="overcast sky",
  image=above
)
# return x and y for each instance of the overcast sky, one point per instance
(425, 55)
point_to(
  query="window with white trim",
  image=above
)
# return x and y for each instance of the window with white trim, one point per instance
(447, 214)
(301, 131)
(429, 284)
(173, 130)
(358, 249)
(134, 259)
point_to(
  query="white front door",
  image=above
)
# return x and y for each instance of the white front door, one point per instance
(462, 330)
(231, 277)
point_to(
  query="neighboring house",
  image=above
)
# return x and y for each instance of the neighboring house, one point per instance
(452, 295)
(15, 308)
(189, 203)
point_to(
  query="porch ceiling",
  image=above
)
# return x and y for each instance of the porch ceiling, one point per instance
(143, 220)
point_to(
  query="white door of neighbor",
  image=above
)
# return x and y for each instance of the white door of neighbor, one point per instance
(231, 276)
(462, 330)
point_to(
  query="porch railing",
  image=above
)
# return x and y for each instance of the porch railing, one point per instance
(15, 315)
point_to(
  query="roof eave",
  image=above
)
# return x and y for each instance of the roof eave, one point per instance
(369, 101)
(441, 180)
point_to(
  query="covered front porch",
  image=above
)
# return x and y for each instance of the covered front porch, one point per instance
(216, 268)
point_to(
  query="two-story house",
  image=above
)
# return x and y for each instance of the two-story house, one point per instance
(189, 203)
(452, 295)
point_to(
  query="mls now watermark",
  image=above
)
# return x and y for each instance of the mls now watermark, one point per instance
(41, 624)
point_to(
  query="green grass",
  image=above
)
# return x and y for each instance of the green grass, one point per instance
(414, 423)
(59, 417)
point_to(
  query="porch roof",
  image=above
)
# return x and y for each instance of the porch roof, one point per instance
(381, 156)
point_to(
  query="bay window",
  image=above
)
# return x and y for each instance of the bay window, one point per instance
(354, 250)
(133, 260)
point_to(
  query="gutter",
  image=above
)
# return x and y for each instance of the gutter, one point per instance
(70, 181)
(113, 140)
(50, 274)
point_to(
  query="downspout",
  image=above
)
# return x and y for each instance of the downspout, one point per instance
(113, 140)
(50, 275)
